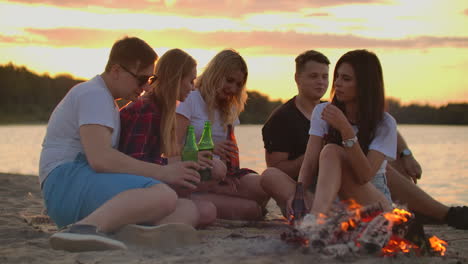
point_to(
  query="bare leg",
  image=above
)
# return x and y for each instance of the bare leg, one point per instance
(249, 188)
(133, 206)
(281, 187)
(335, 177)
(207, 212)
(230, 207)
(186, 212)
(405, 191)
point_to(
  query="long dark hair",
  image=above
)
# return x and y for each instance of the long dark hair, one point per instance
(370, 95)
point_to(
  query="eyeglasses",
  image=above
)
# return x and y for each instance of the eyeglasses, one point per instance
(141, 79)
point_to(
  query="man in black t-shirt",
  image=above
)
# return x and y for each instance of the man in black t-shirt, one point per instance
(286, 133)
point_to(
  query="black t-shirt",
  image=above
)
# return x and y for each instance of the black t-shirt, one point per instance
(286, 130)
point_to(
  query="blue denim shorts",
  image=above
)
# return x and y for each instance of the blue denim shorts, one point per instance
(74, 190)
(380, 182)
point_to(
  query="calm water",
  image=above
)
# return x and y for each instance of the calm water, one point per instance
(441, 150)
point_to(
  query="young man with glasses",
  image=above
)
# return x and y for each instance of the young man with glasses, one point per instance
(91, 187)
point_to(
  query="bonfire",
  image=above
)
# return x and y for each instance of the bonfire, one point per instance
(352, 229)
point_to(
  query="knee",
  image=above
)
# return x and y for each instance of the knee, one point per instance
(207, 212)
(191, 212)
(269, 176)
(164, 198)
(330, 152)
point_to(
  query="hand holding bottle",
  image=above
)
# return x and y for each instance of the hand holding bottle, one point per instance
(296, 205)
(226, 149)
(205, 159)
(182, 174)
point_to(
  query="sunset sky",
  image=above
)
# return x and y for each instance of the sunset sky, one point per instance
(422, 44)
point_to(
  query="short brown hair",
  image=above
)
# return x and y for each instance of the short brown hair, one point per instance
(131, 52)
(310, 55)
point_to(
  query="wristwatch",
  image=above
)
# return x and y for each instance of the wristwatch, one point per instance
(406, 152)
(349, 143)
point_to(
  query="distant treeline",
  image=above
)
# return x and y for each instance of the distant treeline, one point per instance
(26, 97)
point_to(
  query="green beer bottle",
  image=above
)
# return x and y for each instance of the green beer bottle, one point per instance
(190, 150)
(206, 143)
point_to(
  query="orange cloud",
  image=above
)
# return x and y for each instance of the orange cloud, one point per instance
(466, 12)
(230, 8)
(259, 41)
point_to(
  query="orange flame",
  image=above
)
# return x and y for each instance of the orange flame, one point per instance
(438, 245)
(353, 205)
(398, 216)
(321, 219)
(345, 226)
(396, 245)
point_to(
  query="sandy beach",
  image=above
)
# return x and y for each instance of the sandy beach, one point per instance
(24, 234)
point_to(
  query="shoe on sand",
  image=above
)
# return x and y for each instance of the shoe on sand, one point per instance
(457, 217)
(78, 238)
(165, 236)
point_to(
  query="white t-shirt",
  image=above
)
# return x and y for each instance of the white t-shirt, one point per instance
(87, 103)
(385, 139)
(194, 109)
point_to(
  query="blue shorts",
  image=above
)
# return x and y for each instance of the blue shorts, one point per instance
(380, 182)
(74, 190)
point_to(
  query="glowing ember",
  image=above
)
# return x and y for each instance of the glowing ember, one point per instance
(396, 245)
(351, 229)
(438, 245)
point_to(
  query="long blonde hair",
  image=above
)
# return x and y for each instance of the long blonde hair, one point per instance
(170, 69)
(211, 81)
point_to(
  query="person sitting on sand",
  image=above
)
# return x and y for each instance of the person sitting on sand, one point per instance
(350, 141)
(148, 124)
(87, 184)
(220, 96)
(285, 136)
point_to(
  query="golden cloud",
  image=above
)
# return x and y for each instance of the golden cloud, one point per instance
(261, 41)
(229, 8)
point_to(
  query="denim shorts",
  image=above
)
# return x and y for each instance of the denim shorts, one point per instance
(380, 182)
(74, 190)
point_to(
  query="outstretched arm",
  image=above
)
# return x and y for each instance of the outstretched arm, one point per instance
(96, 141)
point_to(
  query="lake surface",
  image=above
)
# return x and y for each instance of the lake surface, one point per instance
(441, 151)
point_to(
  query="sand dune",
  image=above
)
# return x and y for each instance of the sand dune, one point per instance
(24, 236)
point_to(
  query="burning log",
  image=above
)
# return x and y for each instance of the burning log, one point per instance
(376, 234)
(351, 229)
(343, 225)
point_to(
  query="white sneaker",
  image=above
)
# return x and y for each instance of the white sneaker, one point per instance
(78, 238)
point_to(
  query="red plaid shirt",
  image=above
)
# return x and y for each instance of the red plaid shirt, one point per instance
(140, 136)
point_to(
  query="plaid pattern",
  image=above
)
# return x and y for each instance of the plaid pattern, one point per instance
(238, 173)
(140, 136)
